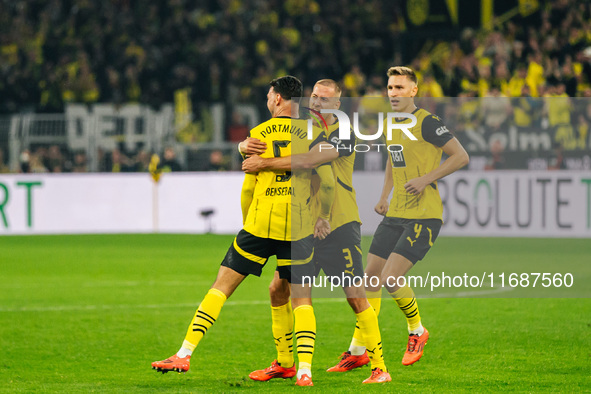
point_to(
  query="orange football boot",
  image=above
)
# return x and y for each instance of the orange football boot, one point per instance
(274, 371)
(378, 376)
(414, 349)
(305, 380)
(349, 362)
(173, 363)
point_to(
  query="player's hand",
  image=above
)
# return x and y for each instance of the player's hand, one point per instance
(416, 186)
(381, 207)
(321, 229)
(252, 146)
(253, 164)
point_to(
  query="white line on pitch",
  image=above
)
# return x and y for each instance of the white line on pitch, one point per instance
(59, 308)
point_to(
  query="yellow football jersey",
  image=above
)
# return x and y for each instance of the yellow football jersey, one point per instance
(280, 205)
(344, 208)
(411, 159)
(559, 109)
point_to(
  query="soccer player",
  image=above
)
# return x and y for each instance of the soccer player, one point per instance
(269, 205)
(339, 254)
(413, 217)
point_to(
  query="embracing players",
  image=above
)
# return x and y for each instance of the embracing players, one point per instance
(339, 254)
(276, 222)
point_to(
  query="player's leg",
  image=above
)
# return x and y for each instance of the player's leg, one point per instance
(384, 239)
(340, 256)
(373, 292)
(367, 323)
(412, 246)
(282, 327)
(207, 313)
(282, 320)
(404, 297)
(301, 267)
(247, 255)
(305, 331)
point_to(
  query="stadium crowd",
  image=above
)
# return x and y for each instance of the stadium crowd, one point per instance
(54, 52)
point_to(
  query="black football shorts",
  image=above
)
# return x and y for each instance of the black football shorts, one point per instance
(339, 254)
(411, 238)
(248, 254)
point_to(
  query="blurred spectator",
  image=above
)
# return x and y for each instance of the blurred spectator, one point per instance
(25, 162)
(120, 162)
(430, 87)
(142, 161)
(238, 130)
(354, 81)
(218, 162)
(80, 163)
(497, 161)
(3, 167)
(495, 109)
(59, 51)
(55, 159)
(198, 53)
(36, 164)
(557, 159)
(170, 163)
(526, 109)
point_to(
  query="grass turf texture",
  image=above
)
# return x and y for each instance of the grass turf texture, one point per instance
(89, 314)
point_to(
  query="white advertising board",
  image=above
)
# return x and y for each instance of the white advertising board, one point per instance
(500, 203)
(496, 203)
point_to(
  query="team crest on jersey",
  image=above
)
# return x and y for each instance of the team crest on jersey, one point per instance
(397, 156)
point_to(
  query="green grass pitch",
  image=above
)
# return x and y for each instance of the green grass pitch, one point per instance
(89, 314)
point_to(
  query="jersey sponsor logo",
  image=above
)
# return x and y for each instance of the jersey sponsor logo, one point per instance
(441, 130)
(278, 191)
(397, 156)
(335, 140)
(283, 177)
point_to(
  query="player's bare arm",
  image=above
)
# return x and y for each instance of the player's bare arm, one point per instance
(319, 154)
(252, 146)
(326, 194)
(458, 158)
(383, 205)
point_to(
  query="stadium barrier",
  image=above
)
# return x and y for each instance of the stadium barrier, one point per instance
(498, 203)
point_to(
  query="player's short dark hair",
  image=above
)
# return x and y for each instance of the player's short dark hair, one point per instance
(331, 83)
(401, 70)
(287, 87)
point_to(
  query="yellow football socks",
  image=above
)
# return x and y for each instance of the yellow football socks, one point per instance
(375, 300)
(405, 298)
(282, 325)
(368, 325)
(305, 332)
(206, 315)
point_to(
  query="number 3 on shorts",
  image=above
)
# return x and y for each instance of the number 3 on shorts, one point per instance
(348, 257)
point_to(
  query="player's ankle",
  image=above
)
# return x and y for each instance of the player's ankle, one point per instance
(304, 371)
(286, 364)
(356, 350)
(417, 331)
(184, 352)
